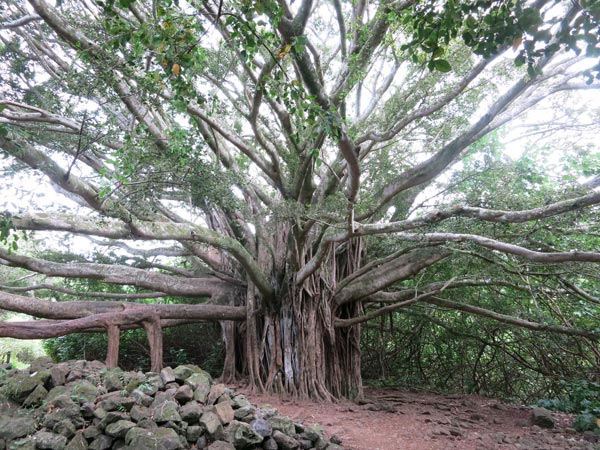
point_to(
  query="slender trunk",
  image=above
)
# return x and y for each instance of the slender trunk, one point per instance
(112, 352)
(229, 369)
(155, 340)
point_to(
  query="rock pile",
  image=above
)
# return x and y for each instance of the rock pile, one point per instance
(82, 405)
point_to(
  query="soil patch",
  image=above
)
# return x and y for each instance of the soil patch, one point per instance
(391, 419)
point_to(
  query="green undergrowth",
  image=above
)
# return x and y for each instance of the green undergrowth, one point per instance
(578, 397)
(198, 343)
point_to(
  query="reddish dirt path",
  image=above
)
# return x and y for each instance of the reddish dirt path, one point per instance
(401, 420)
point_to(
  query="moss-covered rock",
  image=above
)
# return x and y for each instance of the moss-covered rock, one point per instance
(80, 405)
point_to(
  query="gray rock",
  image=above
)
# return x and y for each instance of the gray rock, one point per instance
(454, 431)
(215, 392)
(211, 423)
(87, 410)
(312, 434)
(202, 442)
(335, 439)
(242, 435)
(65, 428)
(167, 375)
(184, 371)
(321, 444)
(163, 396)
(158, 439)
(22, 444)
(141, 398)
(286, 442)
(220, 445)
(179, 427)
(201, 394)
(112, 417)
(45, 440)
(15, 427)
(58, 374)
(270, 444)
(84, 391)
(224, 411)
(63, 401)
(165, 412)
(440, 431)
(71, 414)
(118, 444)
(148, 424)
(56, 392)
(113, 380)
(193, 433)
(139, 412)
(199, 378)
(37, 396)
(225, 398)
(542, 418)
(99, 413)
(78, 442)
(119, 428)
(19, 386)
(334, 447)
(151, 386)
(283, 424)
(41, 363)
(117, 403)
(306, 444)
(245, 413)
(191, 412)
(91, 432)
(184, 394)
(101, 442)
(262, 427)
(239, 401)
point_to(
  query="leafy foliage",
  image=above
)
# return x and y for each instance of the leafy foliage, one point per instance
(205, 350)
(579, 397)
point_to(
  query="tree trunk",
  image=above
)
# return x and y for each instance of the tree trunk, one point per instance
(155, 340)
(112, 352)
(291, 343)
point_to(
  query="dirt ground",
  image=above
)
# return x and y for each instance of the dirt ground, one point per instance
(402, 420)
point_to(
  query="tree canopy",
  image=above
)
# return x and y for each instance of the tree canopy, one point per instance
(297, 169)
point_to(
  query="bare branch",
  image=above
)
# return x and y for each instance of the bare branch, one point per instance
(194, 287)
(510, 320)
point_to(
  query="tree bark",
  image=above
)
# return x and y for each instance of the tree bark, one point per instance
(112, 352)
(155, 340)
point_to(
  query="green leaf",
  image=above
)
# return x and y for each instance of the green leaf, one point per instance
(442, 65)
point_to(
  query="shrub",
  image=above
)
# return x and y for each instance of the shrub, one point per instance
(582, 398)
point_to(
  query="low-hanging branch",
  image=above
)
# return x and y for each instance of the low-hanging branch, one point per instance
(64, 290)
(510, 320)
(78, 309)
(124, 275)
(504, 247)
(145, 230)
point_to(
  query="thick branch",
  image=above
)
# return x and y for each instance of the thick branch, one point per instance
(77, 309)
(511, 320)
(386, 274)
(433, 166)
(487, 215)
(117, 274)
(142, 230)
(492, 244)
